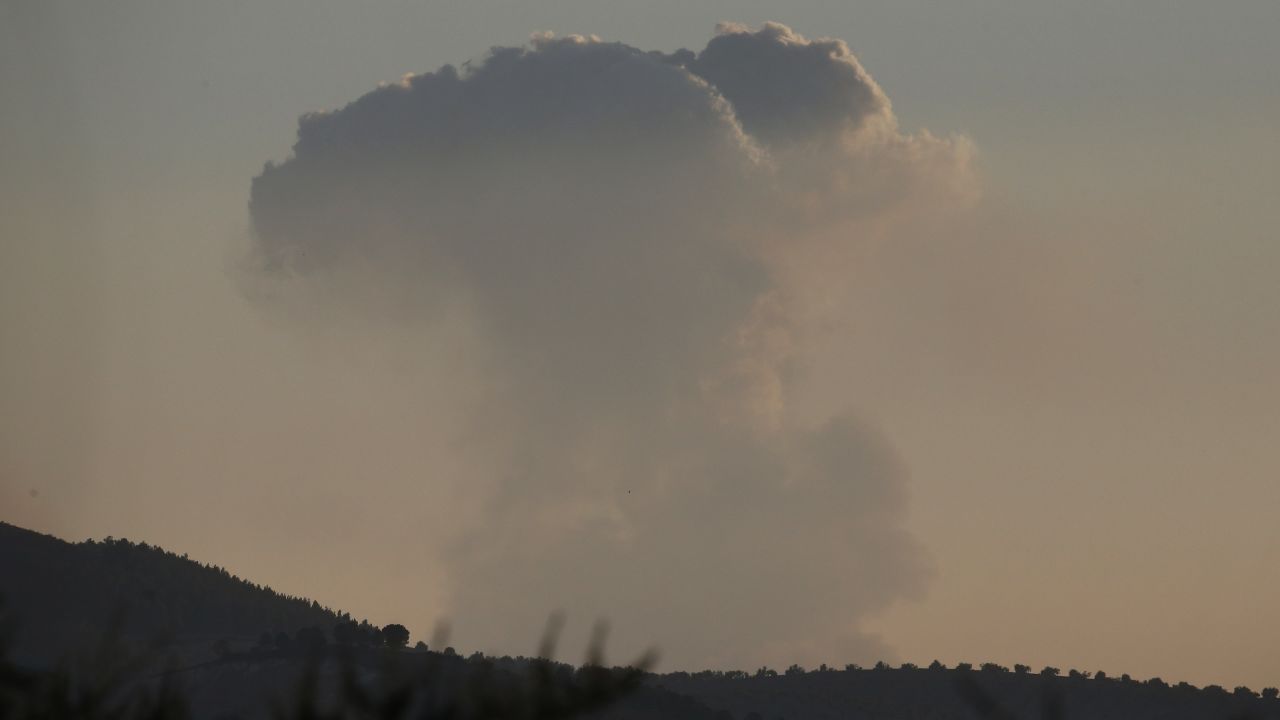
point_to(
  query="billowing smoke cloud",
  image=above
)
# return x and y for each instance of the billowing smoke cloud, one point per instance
(628, 238)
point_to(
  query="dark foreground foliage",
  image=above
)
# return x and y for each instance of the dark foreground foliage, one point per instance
(333, 684)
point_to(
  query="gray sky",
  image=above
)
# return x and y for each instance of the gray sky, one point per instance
(1075, 374)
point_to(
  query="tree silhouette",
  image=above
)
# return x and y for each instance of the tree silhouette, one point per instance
(395, 635)
(347, 633)
(1243, 691)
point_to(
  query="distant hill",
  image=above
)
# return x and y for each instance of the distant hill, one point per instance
(65, 595)
(959, 694)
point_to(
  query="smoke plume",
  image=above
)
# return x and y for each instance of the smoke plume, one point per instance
(638, 246)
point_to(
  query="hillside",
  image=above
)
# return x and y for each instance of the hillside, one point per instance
(66, 595)
(66, 599)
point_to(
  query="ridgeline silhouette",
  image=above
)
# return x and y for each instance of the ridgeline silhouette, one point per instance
(66, 594)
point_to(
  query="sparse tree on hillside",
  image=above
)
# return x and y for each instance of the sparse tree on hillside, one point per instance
(1243, 691)
(1021, 669)
(395, 635)
(795, 669)
(1050, 671)
(1270, 693)
(937, 665)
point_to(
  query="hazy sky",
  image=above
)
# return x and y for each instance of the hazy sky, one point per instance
(1006, 390)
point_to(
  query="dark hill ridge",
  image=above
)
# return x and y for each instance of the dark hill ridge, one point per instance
(959, 694)
(64, 594)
